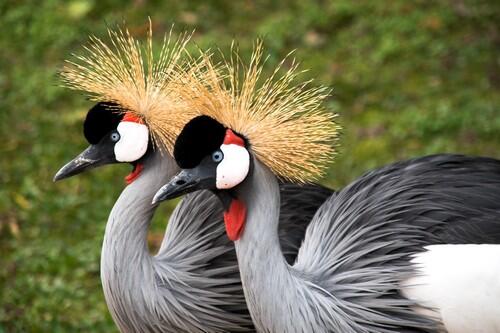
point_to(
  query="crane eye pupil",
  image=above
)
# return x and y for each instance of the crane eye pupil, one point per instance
(115, 136)
(217, 156)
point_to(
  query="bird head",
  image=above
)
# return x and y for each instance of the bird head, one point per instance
(279, 123)
(114, 137)
(211, 157)
(138, 105)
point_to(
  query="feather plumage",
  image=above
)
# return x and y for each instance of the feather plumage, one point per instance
(360, 243)
(126, 71)
(285, 123)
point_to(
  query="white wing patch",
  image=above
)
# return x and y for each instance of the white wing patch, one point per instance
(462, 284)
(234, 167)
(133, 141)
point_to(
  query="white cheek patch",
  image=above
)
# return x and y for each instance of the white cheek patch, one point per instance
(234, 167)
(133, 141)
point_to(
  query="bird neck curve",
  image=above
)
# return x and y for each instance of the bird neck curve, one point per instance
(129, 220)
(261, 196)
(265, 274)
(126, 263)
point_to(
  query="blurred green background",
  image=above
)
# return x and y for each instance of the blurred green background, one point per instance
(409, 78)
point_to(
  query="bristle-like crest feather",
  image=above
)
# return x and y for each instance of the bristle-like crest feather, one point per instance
(126, 72)
(286, 123)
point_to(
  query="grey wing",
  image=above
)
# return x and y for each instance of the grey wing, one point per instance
(197, 270)
(299, 203)
(359, 243)
(197, 222)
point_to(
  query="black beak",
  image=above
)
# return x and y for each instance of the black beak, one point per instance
(90, 158)
(186, 181)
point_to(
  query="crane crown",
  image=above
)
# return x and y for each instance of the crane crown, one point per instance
(285, 123)
(126, 72)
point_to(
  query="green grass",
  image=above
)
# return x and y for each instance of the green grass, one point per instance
(408, 78)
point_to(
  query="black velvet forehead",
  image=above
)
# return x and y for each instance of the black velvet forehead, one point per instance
(100, 120)
(199, 138)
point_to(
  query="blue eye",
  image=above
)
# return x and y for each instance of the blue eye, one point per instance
(217, 156)
(115, 136)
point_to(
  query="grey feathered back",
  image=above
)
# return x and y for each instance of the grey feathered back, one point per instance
(299, 203)
(294, 299)
(359, 243)
(357, 249)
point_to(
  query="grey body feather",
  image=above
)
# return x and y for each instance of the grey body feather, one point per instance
(299, 203)
(192, 284)
(357, 249)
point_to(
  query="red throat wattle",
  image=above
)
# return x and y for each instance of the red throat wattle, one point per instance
(234, 219)
(134, 174)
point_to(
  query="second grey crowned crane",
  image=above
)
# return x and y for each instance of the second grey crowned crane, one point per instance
(411, 247)
(192, 284)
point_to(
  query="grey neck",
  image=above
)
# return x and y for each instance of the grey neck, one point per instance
(126, 263)
(265, 275)
(279, 298)
(261, 195)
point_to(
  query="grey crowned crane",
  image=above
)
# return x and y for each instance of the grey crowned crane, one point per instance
(410, 247)
(192, 284)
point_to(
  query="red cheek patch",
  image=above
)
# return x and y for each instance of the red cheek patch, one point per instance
(234, 219)
(134, 174)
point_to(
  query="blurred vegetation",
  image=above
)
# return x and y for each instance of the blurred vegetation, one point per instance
(409, 78)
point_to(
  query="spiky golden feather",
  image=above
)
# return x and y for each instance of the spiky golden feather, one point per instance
(286, 123)
(125, 71)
